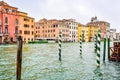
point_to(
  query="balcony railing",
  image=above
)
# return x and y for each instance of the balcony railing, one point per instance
(1, 34)
(6, 33)
(6, 24)
(16, 25)
(16, 34)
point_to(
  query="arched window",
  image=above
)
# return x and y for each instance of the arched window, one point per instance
(16, 21)
(16, 30)
(6, 20)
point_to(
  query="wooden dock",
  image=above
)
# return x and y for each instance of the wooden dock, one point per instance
(115, 56)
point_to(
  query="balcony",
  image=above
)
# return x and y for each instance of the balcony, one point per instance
(6, 24)
(1, 34)
(16, 25)
(16, 34)
(6, 33)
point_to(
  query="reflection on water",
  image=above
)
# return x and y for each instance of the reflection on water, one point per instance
(40, 62)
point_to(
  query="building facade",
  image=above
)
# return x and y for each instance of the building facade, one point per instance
(103, 25)
(88, 32)
(50, 29)
(118, 36)
(26, 27)
(14, 23)
(73, 26)
(9, 23)
(112, 34)
(79, 30)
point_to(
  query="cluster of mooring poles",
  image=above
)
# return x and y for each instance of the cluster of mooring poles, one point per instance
(60, 44)
(97, 40)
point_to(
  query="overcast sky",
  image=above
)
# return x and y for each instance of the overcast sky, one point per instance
(81, 10)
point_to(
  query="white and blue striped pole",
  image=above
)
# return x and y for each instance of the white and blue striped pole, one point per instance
(98, 48)
(80, 44)
(60, 44)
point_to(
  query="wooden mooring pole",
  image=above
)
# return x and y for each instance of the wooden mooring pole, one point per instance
(19, 57)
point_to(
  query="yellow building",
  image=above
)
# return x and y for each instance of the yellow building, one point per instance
(26, 28)
(87, 31)
(92, 31)
(79, 31)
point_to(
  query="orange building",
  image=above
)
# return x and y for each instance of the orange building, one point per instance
(9, 23)
(26, 29)
(49, 30)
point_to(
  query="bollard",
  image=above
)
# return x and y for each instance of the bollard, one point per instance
(80, 44)
(104, 51)
(108, 48)
(98, 49)
(19, 57)
(95, 39)
(60, 45)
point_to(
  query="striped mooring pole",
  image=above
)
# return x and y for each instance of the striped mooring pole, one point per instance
(104, 51)
(60, 45)
(98, 48)
(95, 39)
(80, 44)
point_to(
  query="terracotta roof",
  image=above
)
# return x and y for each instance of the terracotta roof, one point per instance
(5, 4)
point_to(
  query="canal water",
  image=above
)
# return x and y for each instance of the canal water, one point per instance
(40, 62)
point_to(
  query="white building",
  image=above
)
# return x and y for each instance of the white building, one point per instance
(112, 34)
(73, 26)
(118, 36)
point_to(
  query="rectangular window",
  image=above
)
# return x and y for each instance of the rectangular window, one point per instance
(25, 32)
(32, 32)
(7, 10)
(54, 35)
(26, 25)
(26, 19)
(32, 26)
(53, 30)
(20, 31)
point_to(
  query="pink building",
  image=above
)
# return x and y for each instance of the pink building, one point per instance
(9, 23)
(49, 30)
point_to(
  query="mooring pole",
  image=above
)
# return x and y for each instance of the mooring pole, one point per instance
(60, 44)
(95, 40)
(80, 44)
(108, 48)
(19, 57)
(104, 51)
(98, 48)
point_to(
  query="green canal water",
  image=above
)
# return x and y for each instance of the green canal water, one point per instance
(40, 62)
